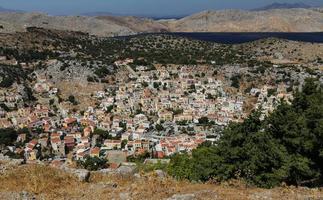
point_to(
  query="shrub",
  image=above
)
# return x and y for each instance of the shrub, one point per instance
(92, 163)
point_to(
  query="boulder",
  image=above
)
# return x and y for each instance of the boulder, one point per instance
(106, 171)
(82, 174)
(16, 162)
(124, 196)
(126, 170)
(160, 173)
(182, 197)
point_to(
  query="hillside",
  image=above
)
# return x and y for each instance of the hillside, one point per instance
(277, 20)
(282, 20)
(63, 77)
(22, 183)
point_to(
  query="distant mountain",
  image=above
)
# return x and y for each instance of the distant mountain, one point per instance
(283, 6)
(155, 17)
(8, 10)
(273, 20)
(95, 14)
(276, 20)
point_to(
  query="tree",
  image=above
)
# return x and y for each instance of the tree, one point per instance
(235, 81)
(8, 136)
(102, 133)
(156, 85)
(180, 166)
(144, 84)
(159, 127)
(124, 143)
(71, 99)
(7, 82)
(204, 120)
(92, 163)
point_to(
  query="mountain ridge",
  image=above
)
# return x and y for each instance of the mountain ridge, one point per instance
(278, 5)
(276, 20)
(2, 9)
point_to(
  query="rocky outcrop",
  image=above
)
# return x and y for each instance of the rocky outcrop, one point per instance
(9, 163)
(126, 170)
(82, 174)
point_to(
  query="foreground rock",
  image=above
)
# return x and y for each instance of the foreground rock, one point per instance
(8, 163)
(182, 197)
(126, 170)
(82, 174)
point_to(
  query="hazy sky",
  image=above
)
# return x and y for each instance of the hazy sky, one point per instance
(139, 7)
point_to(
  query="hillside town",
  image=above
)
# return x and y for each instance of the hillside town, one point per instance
(153, 111)
(161, 100)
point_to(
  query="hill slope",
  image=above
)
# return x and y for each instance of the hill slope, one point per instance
(41, 182)
(277, 20)
(282, 20)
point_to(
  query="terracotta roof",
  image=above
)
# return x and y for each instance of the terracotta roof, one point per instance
(70, 120)
(95, 150)
(55, 140)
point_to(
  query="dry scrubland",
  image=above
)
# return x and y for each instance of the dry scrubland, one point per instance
(43, 182)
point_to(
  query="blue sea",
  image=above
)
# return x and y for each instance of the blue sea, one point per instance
(237, 38)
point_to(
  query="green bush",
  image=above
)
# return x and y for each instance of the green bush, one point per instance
(8, 136)
(92, 163)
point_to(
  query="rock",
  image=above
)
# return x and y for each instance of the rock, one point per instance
(82, 174)
(105, 171)
(266, 195)
(24, 195)
(160, 173)
(11, 161)
(104, 186)
(182, 197)
(126, 170)
(124, 196)
(137, 175)
(16, 162)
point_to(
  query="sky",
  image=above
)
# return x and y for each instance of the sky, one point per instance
(139, 7)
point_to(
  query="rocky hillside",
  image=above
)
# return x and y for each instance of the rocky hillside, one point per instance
(278, 20)
(43, 182)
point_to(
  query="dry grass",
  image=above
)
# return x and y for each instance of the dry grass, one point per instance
(49, 183)
(36, 179)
